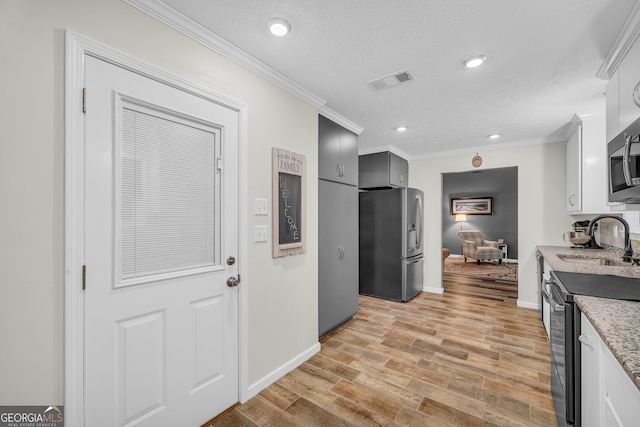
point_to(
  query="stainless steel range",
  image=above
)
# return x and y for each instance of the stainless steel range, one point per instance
(565, 333)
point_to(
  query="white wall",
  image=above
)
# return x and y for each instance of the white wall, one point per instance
(541, 210)
(282, 307)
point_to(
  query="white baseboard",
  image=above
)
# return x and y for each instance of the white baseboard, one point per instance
(279, 372)
(525, 304)
(433, 290)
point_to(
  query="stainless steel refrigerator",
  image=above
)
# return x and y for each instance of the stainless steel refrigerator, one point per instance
(391, 243)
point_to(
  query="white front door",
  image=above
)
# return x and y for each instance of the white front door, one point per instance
(161, 202)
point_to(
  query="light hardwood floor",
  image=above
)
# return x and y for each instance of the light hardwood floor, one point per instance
(491, 289)
(437, 360)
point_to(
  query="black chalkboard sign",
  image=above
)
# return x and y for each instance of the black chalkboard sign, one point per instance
(289, 208)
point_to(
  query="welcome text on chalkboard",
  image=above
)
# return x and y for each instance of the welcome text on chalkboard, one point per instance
(289, 196)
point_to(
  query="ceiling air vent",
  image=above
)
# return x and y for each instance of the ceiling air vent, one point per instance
(391, 80)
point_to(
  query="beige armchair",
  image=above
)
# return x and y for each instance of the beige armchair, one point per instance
(474, 246)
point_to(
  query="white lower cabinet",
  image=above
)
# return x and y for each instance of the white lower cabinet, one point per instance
(609, 397)
(590, 343)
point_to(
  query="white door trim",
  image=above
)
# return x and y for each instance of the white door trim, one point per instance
(77, 48)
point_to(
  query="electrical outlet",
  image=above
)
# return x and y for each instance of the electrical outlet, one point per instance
(261, 232)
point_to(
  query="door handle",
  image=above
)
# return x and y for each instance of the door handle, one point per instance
(584, 339)
(232, 282)
(419, 220)
(626, 159)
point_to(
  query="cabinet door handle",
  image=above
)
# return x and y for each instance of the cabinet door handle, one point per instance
(340, 252)
(584, 339)
(340, 170)
(571, 199)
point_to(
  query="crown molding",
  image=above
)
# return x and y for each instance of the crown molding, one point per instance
(504, 146)
(626, 37)
(337, 118)
(172, 18)
(574, 124)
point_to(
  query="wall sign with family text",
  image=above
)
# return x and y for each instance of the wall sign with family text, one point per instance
(289, 202)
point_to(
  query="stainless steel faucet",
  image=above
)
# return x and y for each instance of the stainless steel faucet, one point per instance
(628, 252)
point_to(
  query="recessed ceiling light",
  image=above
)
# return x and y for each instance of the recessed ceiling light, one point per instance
(278, 26)
(474, 61)
(401, 128)
(494, 136)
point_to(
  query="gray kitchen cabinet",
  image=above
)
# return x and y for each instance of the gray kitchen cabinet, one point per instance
(338, 257)
(337, 153)
(383, 169)
(338, 251)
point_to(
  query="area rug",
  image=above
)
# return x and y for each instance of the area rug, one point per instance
(486, 270)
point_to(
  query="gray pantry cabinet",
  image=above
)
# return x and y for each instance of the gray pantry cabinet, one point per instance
(337, 153)
(338, 255)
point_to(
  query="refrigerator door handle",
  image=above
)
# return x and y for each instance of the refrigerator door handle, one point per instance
(419, 222)
(415, 261)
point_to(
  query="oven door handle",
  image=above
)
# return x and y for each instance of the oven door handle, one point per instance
(555, 306)
(546, 289)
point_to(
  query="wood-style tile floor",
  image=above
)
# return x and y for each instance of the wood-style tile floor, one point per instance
(437, 360)
(480, 287)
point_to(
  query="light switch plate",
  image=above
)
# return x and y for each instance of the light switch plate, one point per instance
(261, 233)
(261, 206)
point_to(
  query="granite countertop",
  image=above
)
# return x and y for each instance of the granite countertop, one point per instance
(553, 255)
(616, 321)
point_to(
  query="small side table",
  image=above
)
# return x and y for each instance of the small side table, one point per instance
(503, 248)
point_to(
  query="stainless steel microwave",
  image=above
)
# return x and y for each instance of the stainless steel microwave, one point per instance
(624, 165)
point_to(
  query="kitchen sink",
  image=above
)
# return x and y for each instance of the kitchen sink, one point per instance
(593, 260)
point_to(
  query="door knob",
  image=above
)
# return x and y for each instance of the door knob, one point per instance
(232, 282)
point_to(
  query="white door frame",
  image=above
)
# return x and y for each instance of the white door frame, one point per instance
(77, 48)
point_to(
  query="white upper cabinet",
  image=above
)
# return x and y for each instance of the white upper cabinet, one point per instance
(586, 166)
(613, 106)
(629, 87)
(574, 171)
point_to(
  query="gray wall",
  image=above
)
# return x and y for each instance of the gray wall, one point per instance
(500, 184)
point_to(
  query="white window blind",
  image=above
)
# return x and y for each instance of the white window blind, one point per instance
(168, 195)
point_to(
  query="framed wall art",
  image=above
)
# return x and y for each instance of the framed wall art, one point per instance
(480, 206)
(289, 202)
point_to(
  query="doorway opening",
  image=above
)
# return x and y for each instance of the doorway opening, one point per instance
(480, 210)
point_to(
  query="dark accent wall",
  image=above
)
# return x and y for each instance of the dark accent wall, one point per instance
(502, 185)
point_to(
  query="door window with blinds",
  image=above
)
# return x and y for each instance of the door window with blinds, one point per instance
(167, 194)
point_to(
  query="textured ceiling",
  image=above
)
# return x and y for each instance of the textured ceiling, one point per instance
(542, 59)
